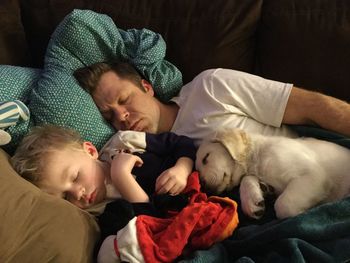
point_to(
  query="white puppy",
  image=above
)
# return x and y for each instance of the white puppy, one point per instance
(303, 172)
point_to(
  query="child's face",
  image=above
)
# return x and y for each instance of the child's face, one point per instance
(76, 175)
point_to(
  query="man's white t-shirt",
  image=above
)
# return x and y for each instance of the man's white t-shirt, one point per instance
(221, 98)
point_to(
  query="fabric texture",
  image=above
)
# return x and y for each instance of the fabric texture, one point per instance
(11, 112)
(227, 98)
(322, 134)
(322, 234)
(85, 37)
(200, 224)
(134, 141)
(34, 224)
(16, 83)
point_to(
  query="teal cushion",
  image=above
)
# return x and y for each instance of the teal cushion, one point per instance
(17, 83)
(85, 37)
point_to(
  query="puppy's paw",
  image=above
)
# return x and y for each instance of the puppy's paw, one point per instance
(253, 206)
(266, 189)
(252, 197)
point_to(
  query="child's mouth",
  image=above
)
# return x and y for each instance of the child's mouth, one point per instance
(92, 197)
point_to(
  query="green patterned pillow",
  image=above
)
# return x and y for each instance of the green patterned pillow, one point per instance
(85, 37)
(17, 83)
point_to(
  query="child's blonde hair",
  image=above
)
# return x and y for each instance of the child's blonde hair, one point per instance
(32, 153)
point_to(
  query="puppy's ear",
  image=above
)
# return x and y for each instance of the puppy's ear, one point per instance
(236, 142)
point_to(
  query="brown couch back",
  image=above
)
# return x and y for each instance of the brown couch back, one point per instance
(13, 46)
(200, 34)
(306, 42)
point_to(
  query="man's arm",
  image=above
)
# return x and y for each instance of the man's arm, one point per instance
(313, 108)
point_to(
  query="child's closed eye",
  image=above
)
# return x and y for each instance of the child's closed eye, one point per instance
(76, 178)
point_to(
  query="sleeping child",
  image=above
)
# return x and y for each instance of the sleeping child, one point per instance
(132, 169)
(59, 162)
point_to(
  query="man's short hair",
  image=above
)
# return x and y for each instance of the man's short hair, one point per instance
(88, 77)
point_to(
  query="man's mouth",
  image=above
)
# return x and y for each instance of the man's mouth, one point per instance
(136, 126)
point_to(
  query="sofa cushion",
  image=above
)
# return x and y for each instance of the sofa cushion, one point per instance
(85, 37)
(306, 43)
(17, 83)
(37, 227)
(200, 34)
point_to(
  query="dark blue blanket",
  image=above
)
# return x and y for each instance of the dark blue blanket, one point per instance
(320, 235)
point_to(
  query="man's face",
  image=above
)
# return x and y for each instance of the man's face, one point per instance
(125, 105)
(76, 175)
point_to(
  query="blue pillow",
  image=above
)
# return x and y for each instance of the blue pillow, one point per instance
(17, 83)
(85, 37)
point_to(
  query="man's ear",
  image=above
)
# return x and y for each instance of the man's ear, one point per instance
(147, 87)
(90, 149)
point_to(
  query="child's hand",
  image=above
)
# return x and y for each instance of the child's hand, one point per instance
(171, 181)
(174, 179)
(123, 180)
(124, 162)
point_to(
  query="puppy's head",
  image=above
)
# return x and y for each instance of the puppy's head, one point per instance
(222, 160)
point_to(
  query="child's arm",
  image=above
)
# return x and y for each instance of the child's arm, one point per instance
(174, 179)
(122, 179)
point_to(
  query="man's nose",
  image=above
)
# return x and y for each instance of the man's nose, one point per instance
(120, 113)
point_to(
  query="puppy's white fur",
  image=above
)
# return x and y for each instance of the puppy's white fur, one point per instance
(303, 172)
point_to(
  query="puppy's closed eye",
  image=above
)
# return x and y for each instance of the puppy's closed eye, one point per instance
(205, 159)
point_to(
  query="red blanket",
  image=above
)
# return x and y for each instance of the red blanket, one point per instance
(200, 224)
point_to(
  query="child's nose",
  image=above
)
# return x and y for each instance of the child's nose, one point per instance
(79, 192)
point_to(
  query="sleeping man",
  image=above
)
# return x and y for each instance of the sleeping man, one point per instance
(215, 98)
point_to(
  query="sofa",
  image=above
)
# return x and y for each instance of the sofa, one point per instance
(304, 42)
